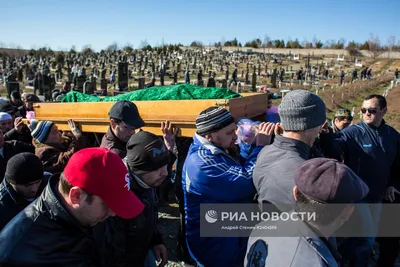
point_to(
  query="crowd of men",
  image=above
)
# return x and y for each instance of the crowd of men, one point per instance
(65, 202)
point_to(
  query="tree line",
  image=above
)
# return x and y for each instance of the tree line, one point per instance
(372, 44)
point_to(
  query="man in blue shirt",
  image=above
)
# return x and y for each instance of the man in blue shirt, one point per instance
(372, 150)
(213, 174)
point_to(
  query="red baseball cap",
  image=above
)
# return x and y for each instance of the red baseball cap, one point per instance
(101, 172)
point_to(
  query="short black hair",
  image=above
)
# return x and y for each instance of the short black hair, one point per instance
(65, 187)
(381, 100)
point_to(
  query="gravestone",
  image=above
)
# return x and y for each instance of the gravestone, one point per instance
(175, 77)
(141, 83)
(211, 81)
(254, 82)
(11, 83)
(93, 83)
(273, 78)
(224, 84)
(57, 75)
(78, 83)
(146, 61)
(20, 76)
(103, 84)
(162, 76)
(200, 81)
(123, 78)
(246, 80)
(239, 88)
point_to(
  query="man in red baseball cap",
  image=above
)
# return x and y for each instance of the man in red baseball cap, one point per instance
(56, 229)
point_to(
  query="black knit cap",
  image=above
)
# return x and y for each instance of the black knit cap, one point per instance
(24, 168)
(146, 152)
(213, 119)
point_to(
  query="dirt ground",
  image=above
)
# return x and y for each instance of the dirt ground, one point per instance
(168, 225)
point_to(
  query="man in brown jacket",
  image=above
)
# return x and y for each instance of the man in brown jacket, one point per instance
(53, 149)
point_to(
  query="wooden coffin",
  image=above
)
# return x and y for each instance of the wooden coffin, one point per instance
(93, 116)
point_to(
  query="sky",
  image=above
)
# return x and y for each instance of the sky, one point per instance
(62, 24)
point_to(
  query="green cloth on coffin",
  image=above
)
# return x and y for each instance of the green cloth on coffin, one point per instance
(173, 92)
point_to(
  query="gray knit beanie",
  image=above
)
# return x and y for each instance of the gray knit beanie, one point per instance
(301, 110)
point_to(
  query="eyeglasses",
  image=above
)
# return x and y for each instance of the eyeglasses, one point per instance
(370, 110)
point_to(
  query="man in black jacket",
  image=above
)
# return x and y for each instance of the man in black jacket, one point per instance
(10, 148)
(17, 130)
(56, 229)
(29, 100)
(124, 121)
(20, 132)
(24, 182)
(134, 241)
(372, 150)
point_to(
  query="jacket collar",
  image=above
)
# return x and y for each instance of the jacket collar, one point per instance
(335, 129)
(50, 200)
(16, 198)
(135, 186)
(383, 124)
(113, 138)
(201, 141)
(311, 235)
(292, 145)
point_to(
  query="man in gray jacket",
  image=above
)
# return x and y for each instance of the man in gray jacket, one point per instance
(324, 187)
(302, 115)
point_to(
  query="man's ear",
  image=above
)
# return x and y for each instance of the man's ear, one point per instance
(384, 110)
(208, 137)
(113, 124)
(295, 192)
(75, 195)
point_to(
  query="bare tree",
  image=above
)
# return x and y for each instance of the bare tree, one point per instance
(391, 41)
(329, 43)
(112, 47)
(197, 44)
(143, 43)
(375, 46)
(306, 44)
(128, 48)
(12, 45)
(87, 49)
(315, 41)
(341, 43)
(73, 49)
(223, 40)
(267, 41)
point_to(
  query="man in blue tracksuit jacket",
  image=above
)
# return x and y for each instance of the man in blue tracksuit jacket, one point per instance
(212, 175)
(372, 150)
